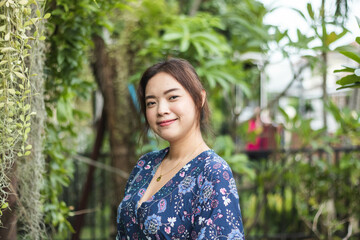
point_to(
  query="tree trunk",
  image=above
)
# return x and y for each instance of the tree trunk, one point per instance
(324, 65)
(111, 70)
(9, 219)
(194, 7)
(324, 89)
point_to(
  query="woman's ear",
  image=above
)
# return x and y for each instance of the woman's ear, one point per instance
(203, 97)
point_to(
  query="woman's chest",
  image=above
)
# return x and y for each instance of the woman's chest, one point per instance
(170, 212)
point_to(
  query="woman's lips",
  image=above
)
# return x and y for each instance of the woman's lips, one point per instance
(166, 122)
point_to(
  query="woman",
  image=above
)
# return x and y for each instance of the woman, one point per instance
(185, 191)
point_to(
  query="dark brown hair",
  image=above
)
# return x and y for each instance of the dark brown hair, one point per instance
(186, 75)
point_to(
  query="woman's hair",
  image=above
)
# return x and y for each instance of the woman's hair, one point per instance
(186, 75)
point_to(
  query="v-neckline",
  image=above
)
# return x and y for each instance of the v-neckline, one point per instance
(152, 175)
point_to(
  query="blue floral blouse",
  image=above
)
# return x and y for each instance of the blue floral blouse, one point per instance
(200, 202)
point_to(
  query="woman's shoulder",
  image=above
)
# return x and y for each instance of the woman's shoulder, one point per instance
(213, 164)
(151, 157)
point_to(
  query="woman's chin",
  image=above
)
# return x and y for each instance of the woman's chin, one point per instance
(168, 137)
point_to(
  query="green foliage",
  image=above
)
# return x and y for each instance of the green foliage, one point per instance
(198, 40)
(239, 163)
(244, 26)
(348, 124)
(318, 41)
(352, 80)
(15, 91)
(326, 183)
(70, 30)
(328, 193)
(301, 128)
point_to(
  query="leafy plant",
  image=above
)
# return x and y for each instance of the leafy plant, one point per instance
(325, 179)
(352, 79)
(239, 163)
(70, 30)
(16, 95)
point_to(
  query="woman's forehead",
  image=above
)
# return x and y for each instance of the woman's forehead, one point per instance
(162, 83)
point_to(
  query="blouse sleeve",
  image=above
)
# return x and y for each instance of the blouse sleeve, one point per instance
(218, 214)
(136, 170)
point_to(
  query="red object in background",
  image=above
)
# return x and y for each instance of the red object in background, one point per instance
(257, 144)
(265, 140)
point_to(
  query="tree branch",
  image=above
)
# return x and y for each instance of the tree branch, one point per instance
(194, 7)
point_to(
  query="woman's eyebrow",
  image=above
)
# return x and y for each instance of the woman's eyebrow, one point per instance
(166, 92)
(171, 90)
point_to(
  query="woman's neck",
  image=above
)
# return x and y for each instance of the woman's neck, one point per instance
(192, 144)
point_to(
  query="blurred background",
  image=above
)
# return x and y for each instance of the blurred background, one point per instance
(282, 79)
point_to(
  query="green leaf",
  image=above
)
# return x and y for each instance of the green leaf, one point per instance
(332, 37)
(23, 2)
(211, 81)
(38, 13)
(42, 38)
(171, 36)
(26, 107)
(357, 39)
(245, 89)
(27, 130)
(351, 55)
(355, 85)
(47, 15)
(7, 36)
(345, 69)
(20, 75)
(199, 49)
(310, 11)
(206, 36)
(8, 49)
(284, 113)
(349, 79)
(11, 91)
(5, 205)
(299, 12)
(184, 45)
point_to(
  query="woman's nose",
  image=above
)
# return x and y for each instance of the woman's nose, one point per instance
(163, 108)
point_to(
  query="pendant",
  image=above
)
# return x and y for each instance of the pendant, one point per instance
(158, 179)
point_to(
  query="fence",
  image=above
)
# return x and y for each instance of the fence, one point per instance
(269, 206)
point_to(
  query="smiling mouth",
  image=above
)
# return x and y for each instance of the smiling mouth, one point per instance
(166, 122)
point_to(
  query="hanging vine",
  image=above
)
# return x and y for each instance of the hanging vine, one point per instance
(15, 85)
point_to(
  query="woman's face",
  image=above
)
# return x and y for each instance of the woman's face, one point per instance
(170, 110)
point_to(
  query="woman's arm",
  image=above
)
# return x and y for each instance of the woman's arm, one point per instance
(218, 215)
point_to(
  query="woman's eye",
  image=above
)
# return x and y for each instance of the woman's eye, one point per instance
(149, 104)
(173, 97)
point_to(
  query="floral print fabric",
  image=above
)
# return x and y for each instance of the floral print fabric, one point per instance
(200, 202)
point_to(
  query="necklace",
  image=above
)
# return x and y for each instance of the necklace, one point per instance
(161, 175)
